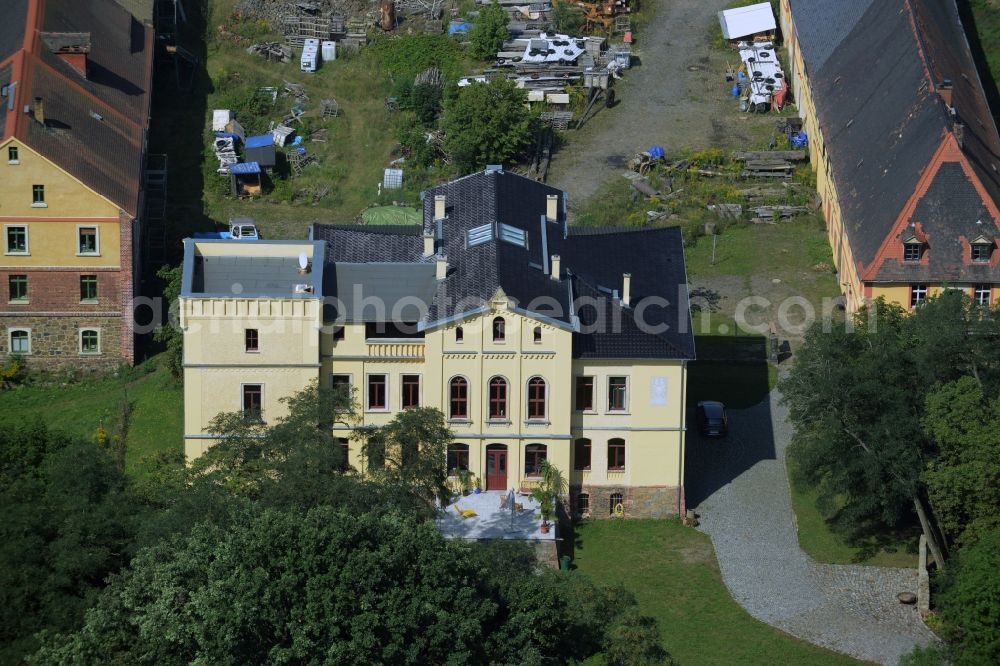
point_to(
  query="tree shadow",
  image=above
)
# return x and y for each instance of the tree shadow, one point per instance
(979, 55)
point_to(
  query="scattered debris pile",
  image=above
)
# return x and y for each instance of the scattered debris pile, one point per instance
(760, 81)
(272, 51)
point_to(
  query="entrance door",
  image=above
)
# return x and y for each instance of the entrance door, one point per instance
(496, 467)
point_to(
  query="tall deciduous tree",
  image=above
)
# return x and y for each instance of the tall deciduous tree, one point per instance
(487, 123)
(489, 32)
(969, 604)
(963, 481)
(852, 398)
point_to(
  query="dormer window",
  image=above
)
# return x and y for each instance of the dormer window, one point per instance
(912, 249)
(982, 248)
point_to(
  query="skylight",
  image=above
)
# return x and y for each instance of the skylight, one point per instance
(480, 235)
(513, 235)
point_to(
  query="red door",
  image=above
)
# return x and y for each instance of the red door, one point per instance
(496, 467)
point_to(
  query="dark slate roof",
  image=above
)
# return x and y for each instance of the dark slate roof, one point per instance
(404, 288)
(246, 275)
(95, 126)
(874, 69)
(950, 211)
(12, 27)
(821, 25)
(592, 265)
(5, 78)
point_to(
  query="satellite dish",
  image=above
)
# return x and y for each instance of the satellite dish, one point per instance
(303, 261)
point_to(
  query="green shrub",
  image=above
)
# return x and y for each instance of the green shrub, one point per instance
(970, 603)
(489, 32)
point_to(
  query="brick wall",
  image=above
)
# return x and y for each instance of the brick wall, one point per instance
(57, 290)
(126, 290)
(638, 501)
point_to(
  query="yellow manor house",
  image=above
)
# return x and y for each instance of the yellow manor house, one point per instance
(536, 340)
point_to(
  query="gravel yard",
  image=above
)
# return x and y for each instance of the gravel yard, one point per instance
(676, 98)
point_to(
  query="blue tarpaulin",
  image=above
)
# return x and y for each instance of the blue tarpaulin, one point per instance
(656, 151)
(799, 140)
(230, 135)
(459, 26)
(244, 168)
(260, 141)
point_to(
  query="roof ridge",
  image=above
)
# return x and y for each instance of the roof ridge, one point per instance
(601, 231)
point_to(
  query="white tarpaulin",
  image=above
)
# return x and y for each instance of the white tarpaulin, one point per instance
(764, 75)
(746, 21)
(555, 48)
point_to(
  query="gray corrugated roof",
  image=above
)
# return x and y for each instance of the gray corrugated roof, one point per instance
(377, 291)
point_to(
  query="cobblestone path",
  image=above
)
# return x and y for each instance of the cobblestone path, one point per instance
(739, 487)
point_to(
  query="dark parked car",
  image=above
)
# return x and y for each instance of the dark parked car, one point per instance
(712, 419)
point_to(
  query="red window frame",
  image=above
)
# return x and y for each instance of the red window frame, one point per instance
(411, 391)
(536, 398)
(459, 398)
(498, 398)
(617, 388)
(499, 329)
(458, 457)
(534, 456)
(377, 391)
(251, 340)
(253, 400)
(616, 454)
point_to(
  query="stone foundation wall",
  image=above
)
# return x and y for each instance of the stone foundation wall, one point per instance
(55, 341)
(638, 501)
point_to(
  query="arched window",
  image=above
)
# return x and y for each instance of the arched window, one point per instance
(534, 456)
(616, 455)
(616, 499)
(459, 398)
(498, 398)
(458, 457)
(536, 398)
(459, 334)
(537, 334)
(583, 504)
(499, 329)
(581, 454)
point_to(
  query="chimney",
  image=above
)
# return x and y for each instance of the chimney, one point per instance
(439, 201)
(428, 245)
(442, 267)
(944, 90)
(556, 267)
(958, 129)
(39, 110)
(71, 47)
(626, 288)
(552, 207)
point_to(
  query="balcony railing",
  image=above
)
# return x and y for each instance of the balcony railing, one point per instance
(396, 350)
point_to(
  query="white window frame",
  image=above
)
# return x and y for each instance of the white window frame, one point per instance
(97, 286)
(921, 288)
(607, 396)
(80, 341)
(38, 204)
(978, 289)
(97, 230)
(420, 389)
(18, 159)
(27, 240)
(388, 398)
(985, 247)
(10, 340)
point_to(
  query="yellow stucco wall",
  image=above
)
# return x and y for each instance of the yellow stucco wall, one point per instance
(55, 243)
(64, 195)
(653, 433)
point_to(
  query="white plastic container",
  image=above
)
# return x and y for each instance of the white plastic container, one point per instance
(308, 62)
(329, 50)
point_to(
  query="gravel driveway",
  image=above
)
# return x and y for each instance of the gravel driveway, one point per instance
(675, 98)
(739, 487)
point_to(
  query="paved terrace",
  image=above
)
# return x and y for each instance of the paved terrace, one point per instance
(491, 522)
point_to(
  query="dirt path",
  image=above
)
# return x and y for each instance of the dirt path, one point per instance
(675, 98)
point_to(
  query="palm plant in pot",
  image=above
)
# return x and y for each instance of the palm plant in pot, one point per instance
(465, 480)
(547, 492)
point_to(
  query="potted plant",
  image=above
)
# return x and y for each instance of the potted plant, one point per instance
(547, 492)
(465, 480)
(478, 483)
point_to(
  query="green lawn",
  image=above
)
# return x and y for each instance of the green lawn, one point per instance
(157, 423)
(673, 573)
